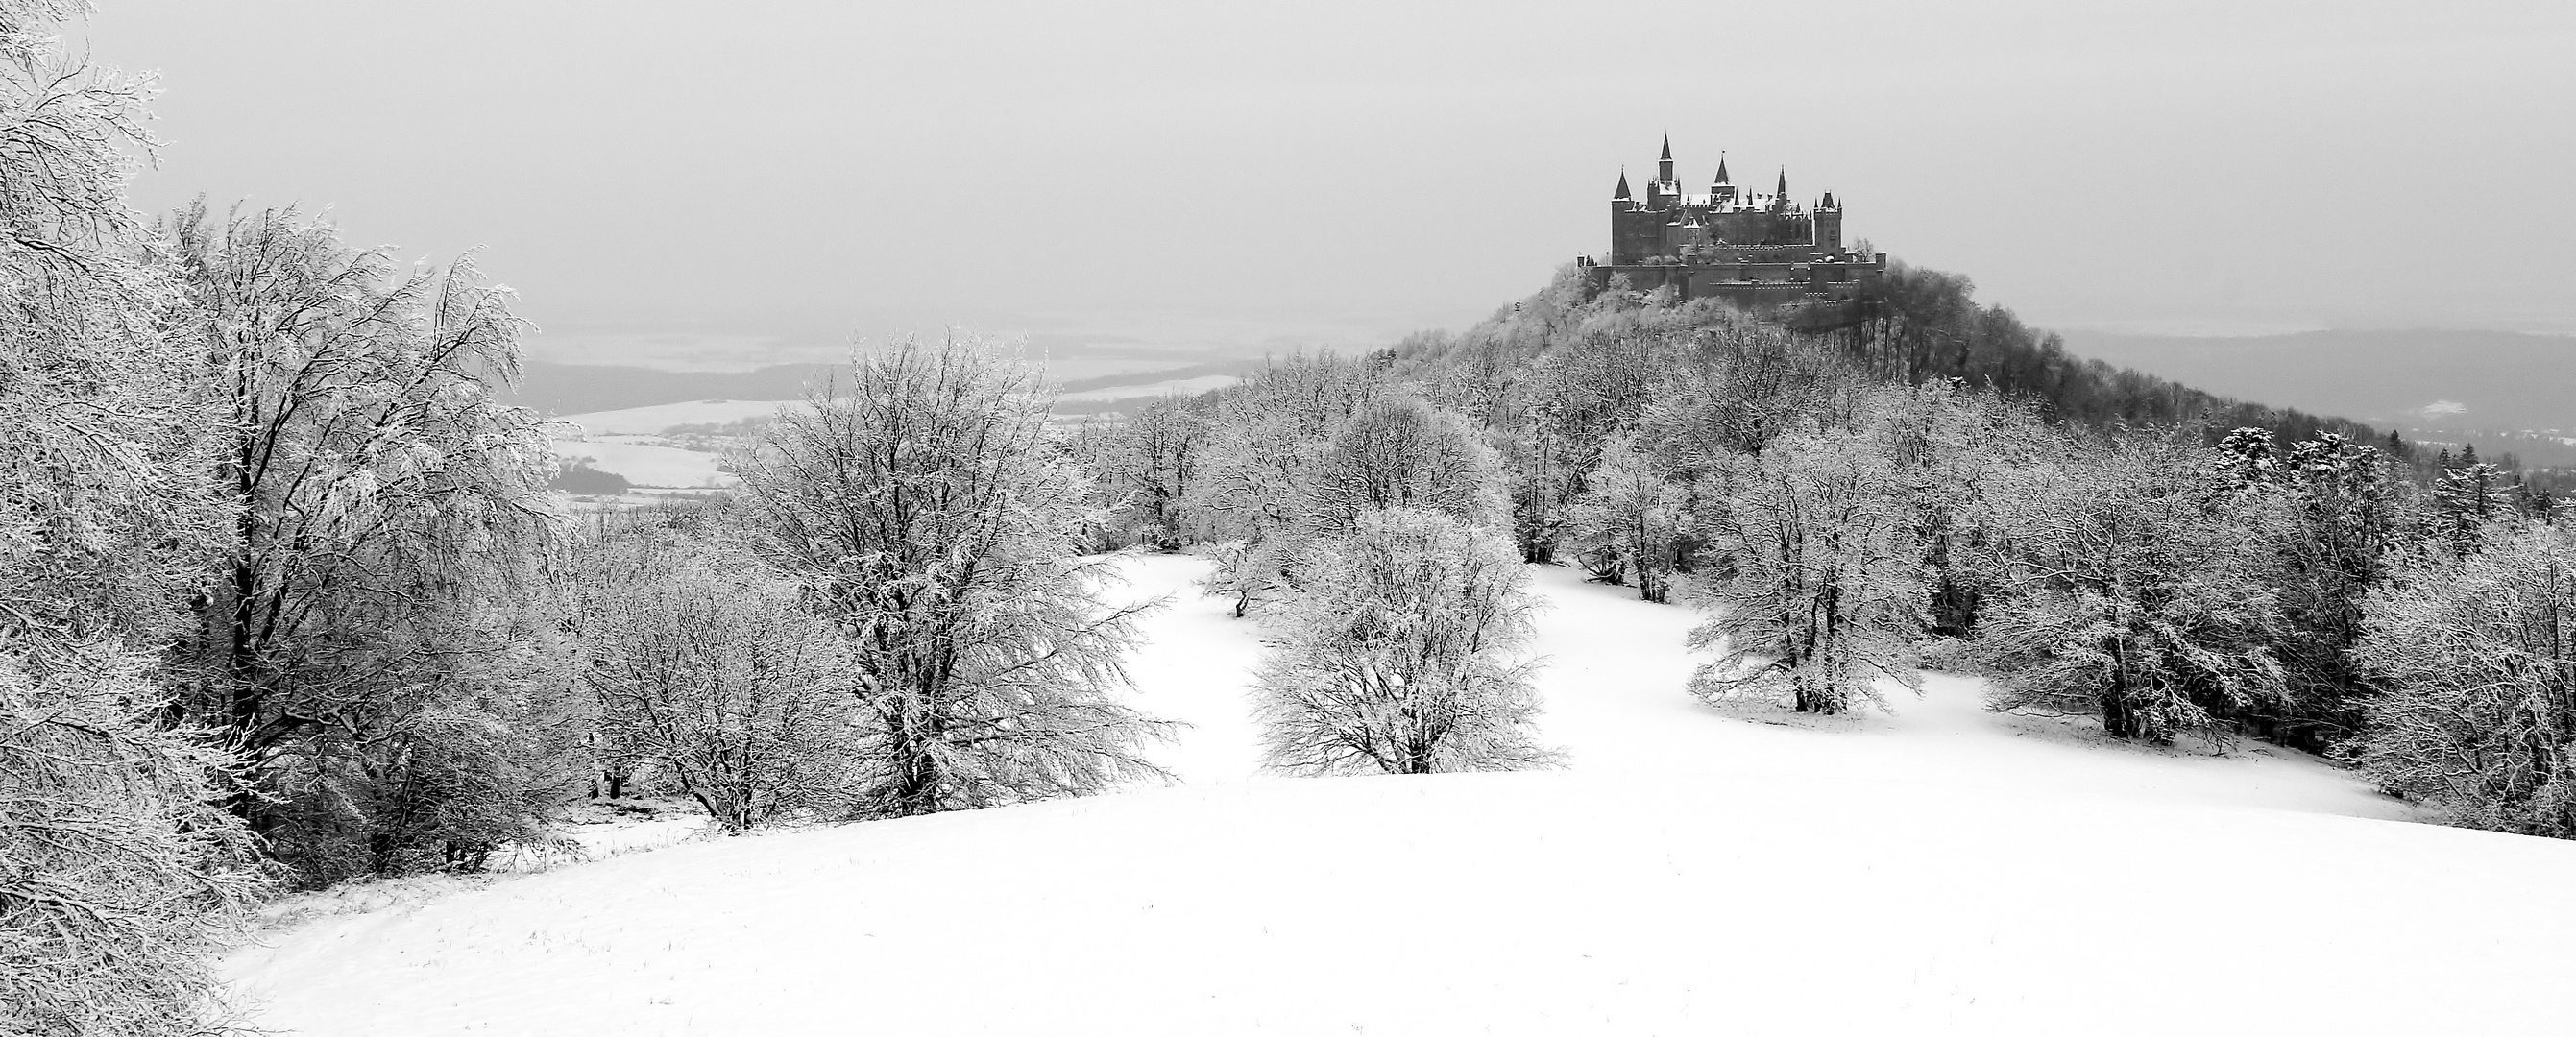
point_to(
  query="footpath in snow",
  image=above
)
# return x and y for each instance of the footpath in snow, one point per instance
(1694, 870)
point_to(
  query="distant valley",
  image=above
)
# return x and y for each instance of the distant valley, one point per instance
(2504, 391)
(669, 430)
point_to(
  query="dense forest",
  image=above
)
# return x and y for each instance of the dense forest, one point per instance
(286, 599)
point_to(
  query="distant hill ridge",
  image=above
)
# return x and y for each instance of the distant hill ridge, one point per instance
(585, 388)
(2491, 380)
(558, 389)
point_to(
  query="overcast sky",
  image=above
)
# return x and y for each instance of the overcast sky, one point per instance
(660, 178)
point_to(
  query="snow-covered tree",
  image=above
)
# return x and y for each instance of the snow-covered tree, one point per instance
(1949, 451)
(379, 638)
(711, 669)
(1166, 443)
(2465, 500)
(919, 508)
(1254, 499)
(2476, 656)
(2341, 523)
(1820, 585)
(1144, 467)
(1630, 521)
(1404, 651)
(2133, 584)
(1398, 452)
(120, 873)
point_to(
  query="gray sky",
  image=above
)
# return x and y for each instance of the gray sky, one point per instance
(754, 180)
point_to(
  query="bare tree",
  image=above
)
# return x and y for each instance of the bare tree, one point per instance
(120, 872)
(2134, 585)
(1254, 500)
(378, 638)
(1399, 452)
(1630, 522)
(712, 669)
(120, 875)
(2477, 656)
(921, 510)
(1822, 585)
(1163, 450)
(1404, 653)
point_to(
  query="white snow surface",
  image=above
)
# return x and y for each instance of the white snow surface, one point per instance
(1694, 870)
(649, 463)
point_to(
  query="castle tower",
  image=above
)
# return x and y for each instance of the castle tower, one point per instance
(1722, 190)
(1780, 194)
(1828, 225)
(1630, 226)
(1664, 192)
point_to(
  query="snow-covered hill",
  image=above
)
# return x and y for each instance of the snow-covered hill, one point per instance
(1693, 871)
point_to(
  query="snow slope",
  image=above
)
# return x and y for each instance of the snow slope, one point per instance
(1694, 871)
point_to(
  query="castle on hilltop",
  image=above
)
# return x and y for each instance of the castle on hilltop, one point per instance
(1757, 250)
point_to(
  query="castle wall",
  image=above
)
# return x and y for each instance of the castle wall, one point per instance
(1635, 234)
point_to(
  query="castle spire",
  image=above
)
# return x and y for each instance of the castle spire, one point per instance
(1783, 190)
(1721, 169)
(1664, 165)
(1622, 194)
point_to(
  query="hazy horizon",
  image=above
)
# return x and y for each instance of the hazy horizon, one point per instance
(669, 188)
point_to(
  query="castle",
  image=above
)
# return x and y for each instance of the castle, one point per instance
(1756, 250)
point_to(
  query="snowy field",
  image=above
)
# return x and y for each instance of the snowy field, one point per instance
(1694, 871)
(649, 463)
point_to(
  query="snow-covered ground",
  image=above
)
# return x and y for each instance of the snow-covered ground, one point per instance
(1694, 870)
(649, 463)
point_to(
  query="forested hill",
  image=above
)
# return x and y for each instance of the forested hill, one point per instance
(1915, 325)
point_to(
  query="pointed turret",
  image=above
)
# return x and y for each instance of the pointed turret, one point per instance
(1722, 178)
(1621, 194)
(1783, 189)
(1664, 164)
